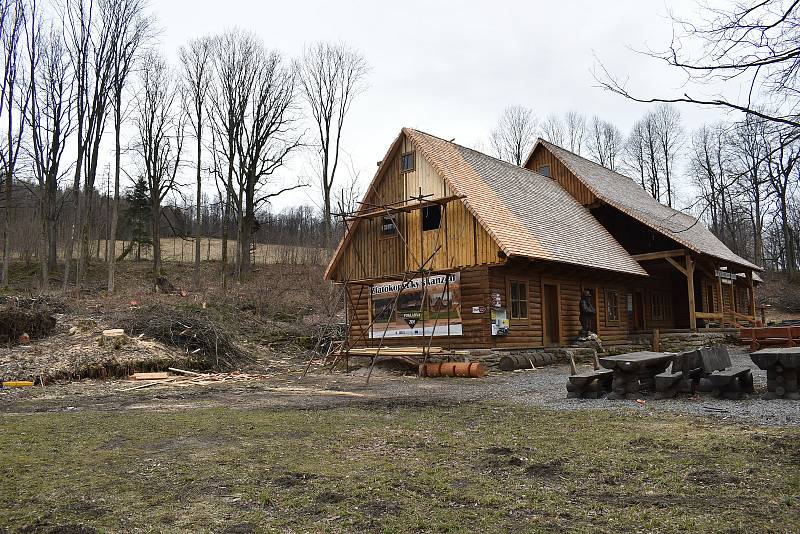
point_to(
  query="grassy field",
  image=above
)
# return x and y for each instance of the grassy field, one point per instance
(468, 467)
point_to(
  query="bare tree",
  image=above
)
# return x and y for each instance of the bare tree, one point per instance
(160, 128)
(748, 155)
(643, 156)
(783, 162)
(233, 82)
(670, 139)
(88, 39)
(50, 118)
(752, 43)
(605, 143)
(14, 104)
(552, 130)
(269, 137)
(197, 77)
(711, 169)
(514, 135)
(331, 76)
(130, 27)
(575, 124)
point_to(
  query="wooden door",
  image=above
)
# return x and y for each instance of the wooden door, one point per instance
(551, 312)
(638, 311)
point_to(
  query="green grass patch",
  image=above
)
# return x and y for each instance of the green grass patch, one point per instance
(476, 468)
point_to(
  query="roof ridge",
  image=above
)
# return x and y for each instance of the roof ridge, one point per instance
(484, 154)
(619, 174)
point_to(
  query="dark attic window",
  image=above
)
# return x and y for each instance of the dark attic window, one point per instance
(544, 170)
(431, 217)
(389, 228)
(407, 162)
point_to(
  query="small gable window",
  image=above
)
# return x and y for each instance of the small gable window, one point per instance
(431, 217)
(544, 170)
(389, 227)
(407, 162)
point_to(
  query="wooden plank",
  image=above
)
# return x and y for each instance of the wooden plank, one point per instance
(690, 289)
(659, 255)
(677, 266)
(150, 376)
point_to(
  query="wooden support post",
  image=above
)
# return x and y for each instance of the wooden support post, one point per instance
(690, 289)
(721, 301)
(656, 340)
(752, 295)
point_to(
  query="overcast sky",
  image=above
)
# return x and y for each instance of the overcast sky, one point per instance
(449, 68)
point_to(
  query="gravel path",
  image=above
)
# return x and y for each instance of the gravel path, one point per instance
(544, 387)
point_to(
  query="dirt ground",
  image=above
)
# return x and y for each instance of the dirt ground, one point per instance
(541, 388)
(330, 453)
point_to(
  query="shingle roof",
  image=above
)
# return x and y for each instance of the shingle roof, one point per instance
(624, 194)
(527, 214)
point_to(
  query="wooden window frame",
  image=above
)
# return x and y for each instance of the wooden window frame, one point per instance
(608, 320)
(549, 170)
(396, 227)
(543, 310)
(518, 320)
(422, 218)
(413, 161)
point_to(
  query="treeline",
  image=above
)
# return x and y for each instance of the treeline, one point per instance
(743, 177)
(81, 76)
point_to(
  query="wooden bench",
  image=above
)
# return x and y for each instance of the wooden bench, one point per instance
(705, 370)
(732, 383)
(590, 385)
(770, 336)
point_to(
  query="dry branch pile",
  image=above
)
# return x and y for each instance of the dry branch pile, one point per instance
(14, 321)
(207, 345)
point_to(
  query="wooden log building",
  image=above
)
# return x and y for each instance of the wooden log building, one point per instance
(454, 248)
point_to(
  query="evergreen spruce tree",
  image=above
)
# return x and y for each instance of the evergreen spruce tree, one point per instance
(137, 216)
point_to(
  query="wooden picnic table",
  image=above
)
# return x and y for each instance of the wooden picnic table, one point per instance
(783, 371)
(635, 372)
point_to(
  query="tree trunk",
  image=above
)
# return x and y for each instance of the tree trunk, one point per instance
(156, 209)
(247, 229)
(197, 211)
(111, 245)
(45, 227)
(7, 224)
(791, 260)
(226, 211)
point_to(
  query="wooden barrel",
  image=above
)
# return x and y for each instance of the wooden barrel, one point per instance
(457, 369)
(431, 370)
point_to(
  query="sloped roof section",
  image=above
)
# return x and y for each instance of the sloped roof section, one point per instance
(626, 195)
(527, 214)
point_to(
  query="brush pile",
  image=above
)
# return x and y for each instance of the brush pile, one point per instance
(206, 345)
(15, 321)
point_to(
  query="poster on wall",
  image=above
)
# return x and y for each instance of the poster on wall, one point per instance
(424, 307)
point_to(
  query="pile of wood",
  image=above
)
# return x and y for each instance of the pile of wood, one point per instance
(406, 351)
(190, 378)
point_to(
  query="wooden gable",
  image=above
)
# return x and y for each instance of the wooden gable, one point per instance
(366, 253)
(559, 172)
